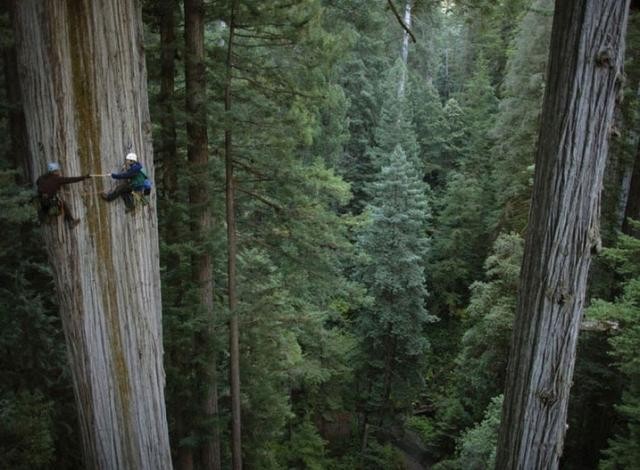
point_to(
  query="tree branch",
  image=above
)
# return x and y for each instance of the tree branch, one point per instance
(400, 20)
(262, 199)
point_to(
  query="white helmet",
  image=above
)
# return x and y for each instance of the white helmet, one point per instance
(131, 157)
(53, 166)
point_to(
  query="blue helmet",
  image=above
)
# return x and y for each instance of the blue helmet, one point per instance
(53, 166)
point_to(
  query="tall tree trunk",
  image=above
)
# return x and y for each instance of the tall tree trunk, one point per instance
(405, 47)
(587, 50)
(234, 333)
(168, 141)
(168, 157)
(198, 156)
(17, 126)
(83, 82)
(632, 209)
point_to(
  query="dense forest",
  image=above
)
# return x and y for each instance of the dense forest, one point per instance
(376, 230)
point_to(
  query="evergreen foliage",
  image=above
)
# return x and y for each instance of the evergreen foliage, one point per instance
(480, 365)
(36, 431)
(624, 448)
(395, 124)
(362, 218)
(431, 131)
(476, 449)
(517, 124)
(393, 328)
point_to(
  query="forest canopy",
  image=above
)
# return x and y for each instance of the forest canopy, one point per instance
(320, 265)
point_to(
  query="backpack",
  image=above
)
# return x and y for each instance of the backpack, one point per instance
(141, 182)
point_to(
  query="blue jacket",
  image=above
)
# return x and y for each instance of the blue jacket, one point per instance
(133, 174)
(133, 170)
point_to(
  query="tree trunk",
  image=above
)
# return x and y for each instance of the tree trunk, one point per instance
(168, 146)
(234, 334)
(587, 50)
(405, 47)
(632, 209)
(167, 155)
(17, 126)
(83, 80)
(201, 222)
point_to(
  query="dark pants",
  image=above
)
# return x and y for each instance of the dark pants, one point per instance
(49, 203)
(123, 190)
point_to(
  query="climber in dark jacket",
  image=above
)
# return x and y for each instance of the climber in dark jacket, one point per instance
(48, 186)
(134, 179)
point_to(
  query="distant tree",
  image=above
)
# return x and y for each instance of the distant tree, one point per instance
(479, 368)
(431, 130)
(201, 221)
(624, 447)
(518, 120)
(477, 446)
(462, 231)
(395, 125)
(482, 362)
(393, 328)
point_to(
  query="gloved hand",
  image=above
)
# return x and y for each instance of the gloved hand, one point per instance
(88, 175)
(113, 175)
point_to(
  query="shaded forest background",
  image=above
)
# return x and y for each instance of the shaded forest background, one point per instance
(382, 195)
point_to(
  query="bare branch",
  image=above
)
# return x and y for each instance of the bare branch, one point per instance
(400, 20)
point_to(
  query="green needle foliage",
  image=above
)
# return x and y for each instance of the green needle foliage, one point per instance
(624, 448)
(393, 328)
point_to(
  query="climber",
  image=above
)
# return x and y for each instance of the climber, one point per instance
(50, 202)
(134, 178)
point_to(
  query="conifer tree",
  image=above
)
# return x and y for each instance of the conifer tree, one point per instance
(288, 239)
(395, 125)
(462, 232)
(431, 130)
(624, 449)
(518, 119)
(393, 328)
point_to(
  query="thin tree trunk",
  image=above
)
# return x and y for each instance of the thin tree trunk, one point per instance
(390, 353)
(83, 80)
(405, 47)
(632, 209)
(587, 50)
(198, 156)
(234, 334)
(18, 152)
(168, 141)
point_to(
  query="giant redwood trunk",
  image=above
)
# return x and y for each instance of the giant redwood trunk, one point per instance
(587, 50)
(83, 82)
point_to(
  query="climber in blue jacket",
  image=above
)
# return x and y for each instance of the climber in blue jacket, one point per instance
(134, 179)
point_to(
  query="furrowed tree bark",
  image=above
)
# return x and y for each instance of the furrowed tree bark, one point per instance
(198, 156)
(587, 50)
(83, 80)
(234, 330)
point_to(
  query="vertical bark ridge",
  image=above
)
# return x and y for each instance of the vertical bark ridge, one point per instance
(83, 80)
(587, 50)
